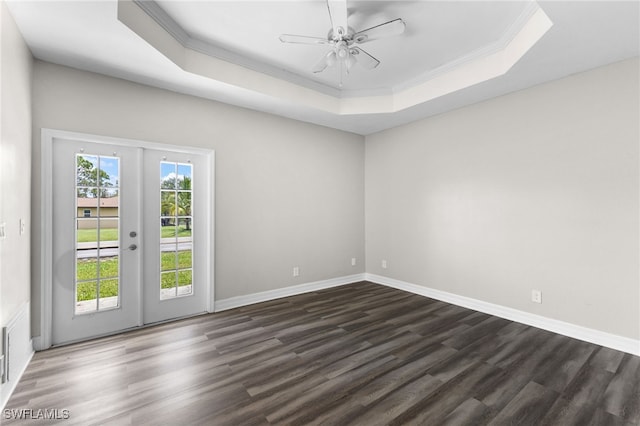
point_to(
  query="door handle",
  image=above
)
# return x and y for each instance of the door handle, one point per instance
(132, 247)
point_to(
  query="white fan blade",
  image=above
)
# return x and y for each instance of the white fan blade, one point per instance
(328, 59)
(298, 39)
(338, 16)
(388, 29)
(364, 59)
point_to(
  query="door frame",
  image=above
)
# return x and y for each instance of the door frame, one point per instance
(48, 137)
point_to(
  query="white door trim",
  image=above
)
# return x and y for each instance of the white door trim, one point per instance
(46, 200)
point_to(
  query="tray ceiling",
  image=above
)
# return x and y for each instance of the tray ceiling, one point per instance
(452, 53)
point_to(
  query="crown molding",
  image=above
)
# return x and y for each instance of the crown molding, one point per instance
(485, 51)
(163, 19)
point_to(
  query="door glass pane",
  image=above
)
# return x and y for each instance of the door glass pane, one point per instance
(86, 301)
(86, 267)
(109, 236)
(168, 175)
(108, 294)
(168, 257)
(184, 203)
(109, 203)
(184, 256)
(184, 282)
(167, 203)
(86, 166)
(109, 173)
(176, 229)
(109, 267)
(168, 285)
(184, 176)
(86, 232)
(185, 229)
(97, 233)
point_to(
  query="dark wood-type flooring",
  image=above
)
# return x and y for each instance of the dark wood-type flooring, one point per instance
(359, 354)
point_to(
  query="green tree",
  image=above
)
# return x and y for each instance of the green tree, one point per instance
(183, 208)
(168, 183)
(184, 183)
(184, 199)
(177, 203)
(92, 178)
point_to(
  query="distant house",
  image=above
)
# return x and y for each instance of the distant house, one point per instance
(88, 208)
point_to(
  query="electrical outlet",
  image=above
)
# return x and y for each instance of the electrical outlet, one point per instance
(22, 226)
(384, 264)
(536, 296)
(353, 261)
(296, 271)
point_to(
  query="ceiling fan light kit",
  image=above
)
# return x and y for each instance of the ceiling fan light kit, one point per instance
(343, 39)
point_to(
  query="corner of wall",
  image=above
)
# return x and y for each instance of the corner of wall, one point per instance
(16, 82)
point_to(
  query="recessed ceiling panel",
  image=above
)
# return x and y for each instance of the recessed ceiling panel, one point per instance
(436, 33)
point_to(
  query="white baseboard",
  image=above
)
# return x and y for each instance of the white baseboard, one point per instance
(19, 351)
(250, 299)
(590, 335)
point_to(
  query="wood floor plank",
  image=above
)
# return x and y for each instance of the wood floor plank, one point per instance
(560, 368)
(309, 405)
(607, 359)
(436, 406)
(588, 386)
(386, 409)
(397, 377)
(471, 412)
(360, 354)
(622, 397)
(529, 406)
(566, 413)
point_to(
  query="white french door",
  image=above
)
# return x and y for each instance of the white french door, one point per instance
(95, 274)
(130, 232)
(175, 226)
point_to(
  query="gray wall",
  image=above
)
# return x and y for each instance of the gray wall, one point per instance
(535, 190)
(15, 167)
(287, 193)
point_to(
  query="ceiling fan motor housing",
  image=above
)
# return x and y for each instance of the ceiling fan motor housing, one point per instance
(344, 36)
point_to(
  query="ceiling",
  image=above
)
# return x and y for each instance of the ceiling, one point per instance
(452, 53)
(255, 35)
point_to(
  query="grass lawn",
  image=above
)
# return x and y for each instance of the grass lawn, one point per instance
(87, 270)
(89, 235)
(168, 260)
(169, 278)
(170, 231)
(87, 290)
(111, 234)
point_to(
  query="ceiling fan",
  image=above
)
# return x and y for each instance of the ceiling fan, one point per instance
(343, 40)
